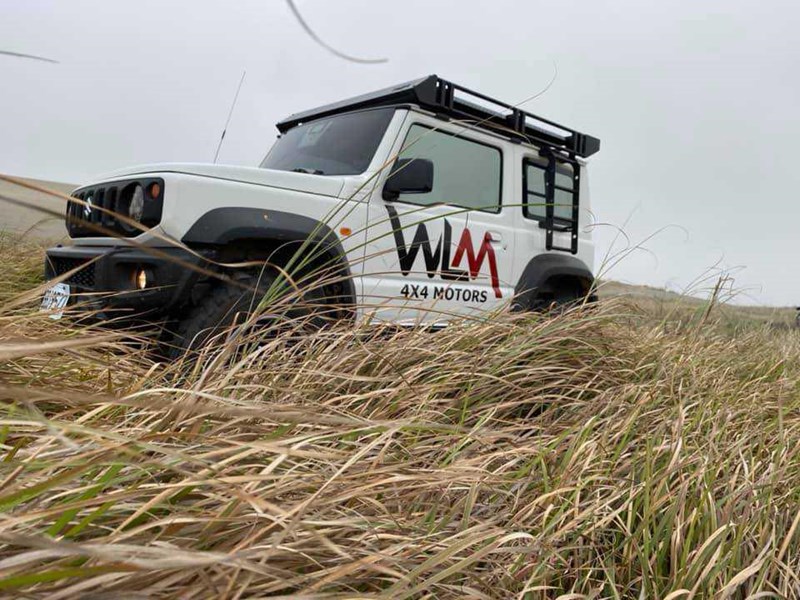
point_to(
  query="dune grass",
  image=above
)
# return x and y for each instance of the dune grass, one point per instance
(595, 454)
(22, 260)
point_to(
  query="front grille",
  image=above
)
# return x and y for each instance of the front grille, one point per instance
(83, 278)
(97, 213)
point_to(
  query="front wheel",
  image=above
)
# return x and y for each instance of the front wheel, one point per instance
(227, 304)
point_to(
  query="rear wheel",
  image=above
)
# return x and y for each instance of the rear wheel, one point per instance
(559, 296)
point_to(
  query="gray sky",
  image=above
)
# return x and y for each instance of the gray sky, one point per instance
(695, 101)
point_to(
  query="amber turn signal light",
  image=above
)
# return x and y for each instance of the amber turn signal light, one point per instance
(154, 190)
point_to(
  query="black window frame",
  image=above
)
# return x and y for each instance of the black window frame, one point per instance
(499, 150)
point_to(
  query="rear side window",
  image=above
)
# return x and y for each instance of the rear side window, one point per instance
(536, 191)
(465, 173)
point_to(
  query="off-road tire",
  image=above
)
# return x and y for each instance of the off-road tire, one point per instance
(558, 298)
(232, 303)
(224, 305)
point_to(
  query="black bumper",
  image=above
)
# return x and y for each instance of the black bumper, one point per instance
(105, 277)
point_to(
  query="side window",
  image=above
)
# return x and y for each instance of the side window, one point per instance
(536, 194)
(465, 173)
(535, 191)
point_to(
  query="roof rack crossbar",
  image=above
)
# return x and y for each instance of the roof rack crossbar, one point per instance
(440, 95)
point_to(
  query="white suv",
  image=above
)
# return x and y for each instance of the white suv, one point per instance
(421, 202)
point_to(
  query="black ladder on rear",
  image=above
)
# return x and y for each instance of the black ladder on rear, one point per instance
(550, 187)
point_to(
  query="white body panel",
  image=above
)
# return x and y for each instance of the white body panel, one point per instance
(312, 184)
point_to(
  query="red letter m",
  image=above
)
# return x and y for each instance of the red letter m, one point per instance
(475, 262)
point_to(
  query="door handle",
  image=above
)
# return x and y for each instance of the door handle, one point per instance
(497, 238)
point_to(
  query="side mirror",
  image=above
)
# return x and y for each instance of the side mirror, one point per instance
(409, 176)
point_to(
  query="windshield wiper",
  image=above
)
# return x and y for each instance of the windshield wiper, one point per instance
(307, 171)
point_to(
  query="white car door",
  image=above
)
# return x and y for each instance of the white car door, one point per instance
(423, 262)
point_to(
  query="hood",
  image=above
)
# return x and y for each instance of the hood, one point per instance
(323, 185)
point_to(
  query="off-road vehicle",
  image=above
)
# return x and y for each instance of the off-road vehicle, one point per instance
(421, 202)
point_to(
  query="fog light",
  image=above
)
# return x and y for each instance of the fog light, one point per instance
(141, 279)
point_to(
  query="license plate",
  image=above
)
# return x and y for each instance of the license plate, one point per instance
(55, 300)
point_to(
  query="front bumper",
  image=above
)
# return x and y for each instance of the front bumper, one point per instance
(104, 278)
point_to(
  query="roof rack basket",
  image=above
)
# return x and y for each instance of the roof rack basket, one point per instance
(457, 102)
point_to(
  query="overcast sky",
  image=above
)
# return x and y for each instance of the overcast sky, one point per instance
(695, 101)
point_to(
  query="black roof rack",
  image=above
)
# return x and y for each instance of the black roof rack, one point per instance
(447, 99)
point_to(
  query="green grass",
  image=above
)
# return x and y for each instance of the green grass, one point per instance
(616, 452)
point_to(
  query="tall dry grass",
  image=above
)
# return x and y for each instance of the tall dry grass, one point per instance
(22, 260)
(593, 454)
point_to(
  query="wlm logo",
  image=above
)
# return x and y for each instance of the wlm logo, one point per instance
(437, 259)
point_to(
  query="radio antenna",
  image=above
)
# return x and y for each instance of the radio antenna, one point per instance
(230, 114)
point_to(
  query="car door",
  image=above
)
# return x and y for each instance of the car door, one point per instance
(493, 242)
(423, 263)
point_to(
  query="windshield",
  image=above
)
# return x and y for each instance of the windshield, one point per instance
(340, 145)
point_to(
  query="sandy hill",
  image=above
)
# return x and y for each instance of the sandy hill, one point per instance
(32, 218)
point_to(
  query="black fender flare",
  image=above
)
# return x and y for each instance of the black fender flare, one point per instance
(545, 267)
(223, 226)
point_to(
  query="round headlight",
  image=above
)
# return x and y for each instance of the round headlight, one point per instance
(136, 207)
